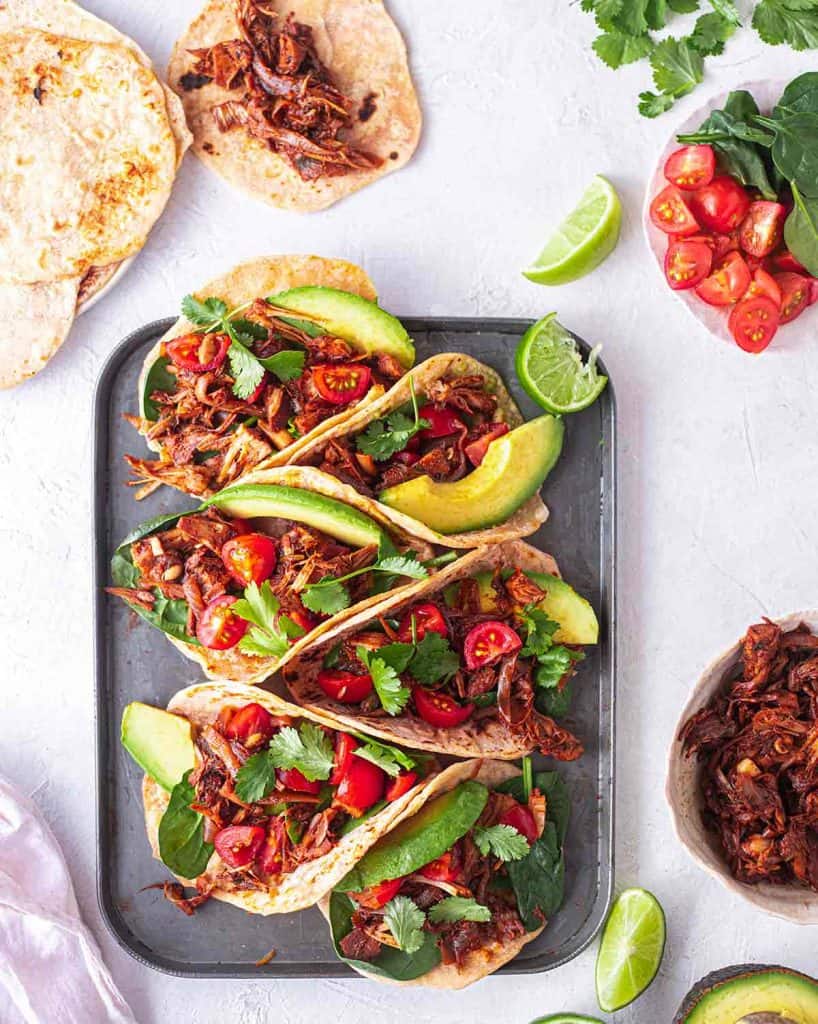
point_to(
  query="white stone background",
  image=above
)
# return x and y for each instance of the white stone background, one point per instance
(717, 509)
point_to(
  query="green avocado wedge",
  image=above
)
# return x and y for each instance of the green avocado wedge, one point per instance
(159, 742)
(514, 469)
(753, 993)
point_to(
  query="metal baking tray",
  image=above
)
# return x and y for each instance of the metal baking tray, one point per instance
(133, 662)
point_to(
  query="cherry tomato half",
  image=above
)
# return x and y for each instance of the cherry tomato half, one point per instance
(488, 642)
(346, 687)
(291, 778)
(302, 618)
(691, 167)
(787, 262)
(198, 352)
(439, 709)
(728, 282)
(237, 845)
(262, 384)
(521, 818)
(250, 725)
(341, 383)
(400, 785)
(687, 264)
(764, 284)
(250, 558)
(345, 747)
(362, 786)
(720, 206)
(444, 869)
(795, 295)
(761, 229)
(753, 323)
(671, 214)
(442, 422)
(476, 450)
(219, 629)
(376, 896)
(428, 619)
(269, 859)
(813, 291)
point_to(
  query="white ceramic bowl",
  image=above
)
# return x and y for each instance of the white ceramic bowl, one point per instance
(683, 792)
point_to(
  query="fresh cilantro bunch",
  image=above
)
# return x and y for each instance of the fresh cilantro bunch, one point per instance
(384, 437)
(329, 595)
(553, 660)
(271, 633)
(427, 661)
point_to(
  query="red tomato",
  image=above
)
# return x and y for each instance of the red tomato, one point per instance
(341, 383)
(377, 896)
(291, 778)
(764, 284)
(521, 818)
(302, 618)
(441, 870)
(345, 747)
(188, 351)
(250, 558)
(720, 206)
(442, 422)
(691, 167)
(753, 323)
(722, 244)
(345, 687)
(813, 290)
(250, 725)
(786, 261)
(687, 263)
(476, 450)
(439, 709)
(262, 384)
(237, 845)
(219, 629)
(761, 229)
(795, 295)
(671, 214)
(489, 642)
(428, 619)
(400, 785)
(407, 458)
(727, 283)
(269, 859)
(362, 786)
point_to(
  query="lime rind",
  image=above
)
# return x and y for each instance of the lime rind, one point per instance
(631, 949)
(550, 367)
(567, 1018)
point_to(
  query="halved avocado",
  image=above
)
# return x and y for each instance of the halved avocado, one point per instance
(160, 742)
(756, 994)
(348, 316)
(513, 469)
(251, 501)
(428, 835)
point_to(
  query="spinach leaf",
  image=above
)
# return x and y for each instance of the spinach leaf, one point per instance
(795, 148)
(801, 95)
(554, 702)
(801, 230)
(181, 833)
(539, 879)
(157, 379)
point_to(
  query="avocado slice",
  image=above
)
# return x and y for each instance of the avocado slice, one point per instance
(513, 469)
(357, 320)
(751, 994)
(423, 838)
(251, 501)
(161, 743)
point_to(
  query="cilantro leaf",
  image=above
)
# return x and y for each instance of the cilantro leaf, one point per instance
(710, 33)
(286, 365)
(403, 565)
(397, 655)
(256, 778)
(677, 66)
(554, 664)
(434, 659)
(458, 908)
(327, 596)
(503, 841)
(616, 48)
(393, 695)
(540, 631)
(653, 104)
(405, 920)
(271, 632)
(310, 750)
(794, 22)
(683, 6)
(247, 371)
(390, 759)
(248, 329)
(383, 437)
(207, 313)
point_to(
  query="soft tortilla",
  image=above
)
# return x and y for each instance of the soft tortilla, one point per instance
(38, 319)
(201, 704)
(526, 520)
(365, 53)
(481, 738)
(480, 962)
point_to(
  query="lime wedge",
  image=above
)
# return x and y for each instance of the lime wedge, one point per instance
(631, 949)
(567, 1018)
(549, 365)
(587, 235)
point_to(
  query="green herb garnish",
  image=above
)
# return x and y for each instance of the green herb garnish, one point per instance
(384, 437)
(271, 633)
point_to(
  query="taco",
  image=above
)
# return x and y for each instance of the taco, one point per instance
(299, 104)
(477, 661)
(263, 359)
(446, 450)
(260, 570)
(458, 889)
(253, 801)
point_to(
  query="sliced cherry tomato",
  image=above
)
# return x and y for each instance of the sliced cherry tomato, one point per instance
(813, 290)
(400, 785)
(444, 869)
(439, 709)
(720, 206)
(362, 786)
(728, 282)
(345, 747)
(671, 214)
(442, 422)
(262, 384)
(341, 383)
(219, 629)
(377, 896)
(786, 261)
(237, 845)
(476, 450)
(345, 687)
(764, 284)
(521, 818)
(691, 167)
(291, 778)
(488, 642)
(198, 352)
(795, 295)
(687, 264)
(761, 229)
(428, 619)
(302, 618)
(250, 725)
(269, 859)
(250, 558)
(753, 323)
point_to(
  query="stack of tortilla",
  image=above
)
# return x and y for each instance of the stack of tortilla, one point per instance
(91, 144)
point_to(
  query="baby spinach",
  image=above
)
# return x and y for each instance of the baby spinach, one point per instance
(800, 95)
(795, 148)
(181, 833)
(801, 230)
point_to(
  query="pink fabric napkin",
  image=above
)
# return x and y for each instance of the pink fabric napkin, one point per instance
(51, 970)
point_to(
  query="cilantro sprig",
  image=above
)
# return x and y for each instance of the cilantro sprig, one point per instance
(405, 920)
(554, 660)
(329, 595)
(271, 633)
(458, 908)
(502, 841)
(392, 694)
(308, 749)
(384, 437)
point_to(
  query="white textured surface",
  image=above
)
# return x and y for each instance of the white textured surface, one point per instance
(717, 454)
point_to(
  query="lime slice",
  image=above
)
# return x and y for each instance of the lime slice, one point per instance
(549, 365)
(587, 235)
(631, 949)
(567, 1018)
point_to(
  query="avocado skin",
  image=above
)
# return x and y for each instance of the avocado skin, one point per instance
(704, 1004)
